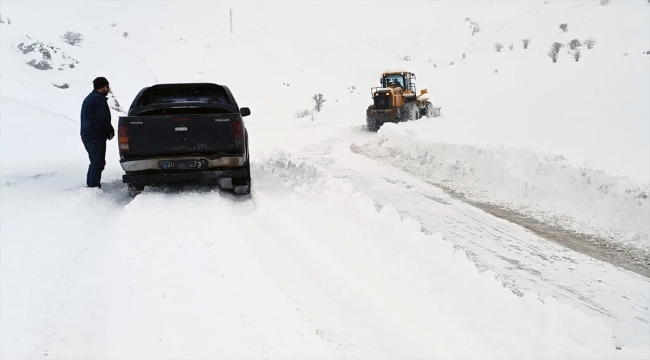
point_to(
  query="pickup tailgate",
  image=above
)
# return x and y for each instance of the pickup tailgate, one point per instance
(181, 134)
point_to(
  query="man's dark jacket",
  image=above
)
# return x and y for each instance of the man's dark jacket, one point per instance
(96, 116)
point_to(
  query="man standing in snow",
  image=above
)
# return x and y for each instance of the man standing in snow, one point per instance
(96, 128)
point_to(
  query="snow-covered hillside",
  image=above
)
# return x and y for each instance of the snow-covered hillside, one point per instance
(344, 249)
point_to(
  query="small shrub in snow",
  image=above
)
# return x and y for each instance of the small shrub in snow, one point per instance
(475, 28)
(451, 63)
(525, 42)
(125, 34)
(576, 54)
(319, 101)
(575, 43)
(113, 24)
(435, 66)
(591, 42)
(407, 58)
(511, 46)
(553, 53)
(72, 37)
(303, 113)
(606, 2)
(8, 21)
(564, 27)
(463, 56)
(498, 46)
(557, 46)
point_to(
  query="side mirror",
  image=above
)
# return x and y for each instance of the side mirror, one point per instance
(245, 111)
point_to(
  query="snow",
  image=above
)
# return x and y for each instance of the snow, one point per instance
(336, 254)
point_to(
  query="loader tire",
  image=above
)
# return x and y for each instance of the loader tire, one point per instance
(409, 112)
(430, 111)
(372, 124)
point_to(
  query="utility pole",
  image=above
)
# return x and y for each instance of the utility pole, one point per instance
(231, 21)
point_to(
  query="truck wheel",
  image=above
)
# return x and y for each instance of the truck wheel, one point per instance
(135, 190)
(242, 186)
(408, 112)
(372, 124)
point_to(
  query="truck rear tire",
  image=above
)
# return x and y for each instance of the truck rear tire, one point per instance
(242, 185)
(135, 189)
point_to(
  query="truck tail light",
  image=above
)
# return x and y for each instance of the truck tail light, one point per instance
(238, 134)
(123, 139)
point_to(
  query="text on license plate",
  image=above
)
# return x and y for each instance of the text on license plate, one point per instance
(189, 164)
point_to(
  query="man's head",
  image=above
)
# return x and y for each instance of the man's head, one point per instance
(101, 84)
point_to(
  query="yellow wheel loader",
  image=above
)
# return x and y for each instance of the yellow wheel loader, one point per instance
(396, 101)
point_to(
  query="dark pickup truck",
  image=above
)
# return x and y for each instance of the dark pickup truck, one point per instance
(185, 132)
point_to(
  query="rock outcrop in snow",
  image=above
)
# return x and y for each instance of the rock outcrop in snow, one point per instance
(44, 56)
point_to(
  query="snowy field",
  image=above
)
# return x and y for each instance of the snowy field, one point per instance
(346, 247)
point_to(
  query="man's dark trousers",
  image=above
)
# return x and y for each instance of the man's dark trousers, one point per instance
(96, 148)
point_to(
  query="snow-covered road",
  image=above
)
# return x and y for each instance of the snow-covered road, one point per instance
(520, 259)
(306, 267)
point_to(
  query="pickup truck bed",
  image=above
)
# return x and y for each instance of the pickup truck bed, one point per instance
(183, 132)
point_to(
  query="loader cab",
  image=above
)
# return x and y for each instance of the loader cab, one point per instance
(400, 79)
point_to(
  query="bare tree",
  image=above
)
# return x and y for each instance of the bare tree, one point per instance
(511, 46)
(591, 42)
(564, 27)
(498, 46)
(319, 101)
(72, 37)
(557, 46)
(576, 54)
(525, 42)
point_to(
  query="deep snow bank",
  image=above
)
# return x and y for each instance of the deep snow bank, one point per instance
(541, 185)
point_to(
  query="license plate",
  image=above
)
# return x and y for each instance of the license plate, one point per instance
(193, 164)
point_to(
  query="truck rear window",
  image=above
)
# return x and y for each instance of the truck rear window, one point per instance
(184, 93)
(184, 111)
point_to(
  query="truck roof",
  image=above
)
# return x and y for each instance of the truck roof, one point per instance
(184, 94)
